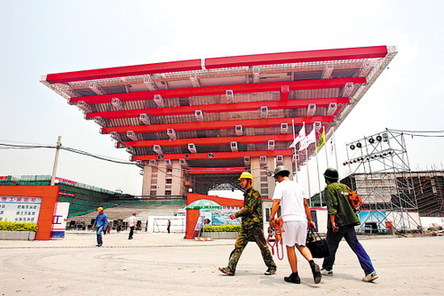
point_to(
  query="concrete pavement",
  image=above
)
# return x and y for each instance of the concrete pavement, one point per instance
(167, 264)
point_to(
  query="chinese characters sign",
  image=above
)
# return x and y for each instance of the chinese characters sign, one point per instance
(59, 219)
(19, 208)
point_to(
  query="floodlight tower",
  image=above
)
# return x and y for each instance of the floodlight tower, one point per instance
(379, 170)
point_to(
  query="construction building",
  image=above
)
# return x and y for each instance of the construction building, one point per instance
(429, 188)
(380, 192)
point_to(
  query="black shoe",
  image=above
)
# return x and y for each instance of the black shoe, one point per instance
(98, 245)
(370, 277)
(317, 276)
(226, 270)
(293, 278)
(270, 271)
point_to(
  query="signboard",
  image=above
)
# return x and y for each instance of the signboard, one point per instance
(217, 217)
(59, 223)
(20, 208)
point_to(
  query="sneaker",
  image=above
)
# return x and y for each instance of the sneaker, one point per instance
(99, 245)
(327, 272)
(270, 271)
(226, 270)
(317, 276)
(293, 278)
(370, 277)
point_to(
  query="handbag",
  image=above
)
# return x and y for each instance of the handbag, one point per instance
(317, 245)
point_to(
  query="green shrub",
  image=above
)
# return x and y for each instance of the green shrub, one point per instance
(17, 226)
(222, 228)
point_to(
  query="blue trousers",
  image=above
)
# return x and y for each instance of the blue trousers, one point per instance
(334, 238)
(99, 231)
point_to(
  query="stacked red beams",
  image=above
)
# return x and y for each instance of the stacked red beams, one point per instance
(216, 170)
(221, 90)
(216, 155)
(224, 62)
(219, 108)
(207, 125)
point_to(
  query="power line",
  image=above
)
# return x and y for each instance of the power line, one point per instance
(410, 131)
(69, 149)
(426, 134)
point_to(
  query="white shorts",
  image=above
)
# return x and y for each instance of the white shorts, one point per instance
(295, 233)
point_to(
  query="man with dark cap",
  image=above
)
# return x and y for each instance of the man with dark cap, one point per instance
(342, 219)
(251, 228)
(290, 197)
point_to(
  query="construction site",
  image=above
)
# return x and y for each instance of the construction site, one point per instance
(380, 171)
(193, 126)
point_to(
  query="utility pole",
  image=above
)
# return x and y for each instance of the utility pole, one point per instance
(56, 160)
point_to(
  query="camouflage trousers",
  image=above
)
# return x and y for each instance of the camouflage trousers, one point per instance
(255, 234)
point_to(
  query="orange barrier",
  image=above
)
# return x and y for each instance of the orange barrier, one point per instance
(49, 196)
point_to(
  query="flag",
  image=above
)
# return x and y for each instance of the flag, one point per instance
(311, 138)
(300, 137)
(321, 140)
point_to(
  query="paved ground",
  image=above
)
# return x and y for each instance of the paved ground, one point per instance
(167, 264)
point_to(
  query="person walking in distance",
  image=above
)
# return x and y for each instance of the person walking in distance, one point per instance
(290, 197)
(168, 225)
(251, 228)
(100, 224)
(342, 219)
(132, 223)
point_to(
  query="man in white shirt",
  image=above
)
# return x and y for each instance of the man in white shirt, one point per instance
(132, 223)
(295, 212)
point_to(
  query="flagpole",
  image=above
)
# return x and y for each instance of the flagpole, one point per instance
(308, 174)
(326, 152)
(334, 149)
(317, 167)
(295, 154)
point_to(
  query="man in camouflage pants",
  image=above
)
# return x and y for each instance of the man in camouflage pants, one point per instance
(251, 228)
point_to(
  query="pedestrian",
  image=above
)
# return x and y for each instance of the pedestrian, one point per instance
(168, 225)
(100, 224)
(342, 219)
(132, 223)
(290, 197)
(251, 228)
(119, 225)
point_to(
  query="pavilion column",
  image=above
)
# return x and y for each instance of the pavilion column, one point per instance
(262, 171)
(163, 180)
(288, 163)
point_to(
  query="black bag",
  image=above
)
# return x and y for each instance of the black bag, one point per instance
(317, 245)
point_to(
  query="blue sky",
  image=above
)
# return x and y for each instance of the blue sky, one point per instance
(41, 37)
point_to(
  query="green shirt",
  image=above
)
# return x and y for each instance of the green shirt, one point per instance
(336, 196)
(251, 213)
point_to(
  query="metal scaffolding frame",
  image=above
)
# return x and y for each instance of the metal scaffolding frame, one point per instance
(379, 170)
(430, 192)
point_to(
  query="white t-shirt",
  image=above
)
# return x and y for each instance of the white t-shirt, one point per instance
(132, 221)
(292, 197)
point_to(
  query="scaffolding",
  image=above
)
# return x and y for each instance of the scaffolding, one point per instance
(378, 168)
(429, 187)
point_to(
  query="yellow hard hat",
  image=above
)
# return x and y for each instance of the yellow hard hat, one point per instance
(246, 175)
(99, 209)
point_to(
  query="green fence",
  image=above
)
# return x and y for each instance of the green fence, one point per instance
(84, 198)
